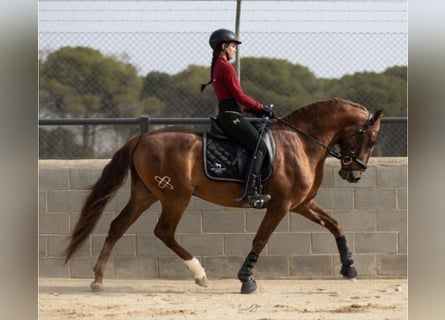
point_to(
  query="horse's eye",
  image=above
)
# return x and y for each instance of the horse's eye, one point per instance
(371, 143)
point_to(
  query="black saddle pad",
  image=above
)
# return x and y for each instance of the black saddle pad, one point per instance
(224, 160)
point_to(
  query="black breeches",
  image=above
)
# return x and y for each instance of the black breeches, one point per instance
(240, 130)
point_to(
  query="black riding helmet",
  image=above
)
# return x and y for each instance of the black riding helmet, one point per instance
(222, 35)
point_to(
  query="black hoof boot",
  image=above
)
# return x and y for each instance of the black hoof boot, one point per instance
(248, 286)
(245, 274)
(348, 271)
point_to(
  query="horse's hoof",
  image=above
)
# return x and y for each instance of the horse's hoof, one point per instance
(348, 271)
(96, 286)
(202, 282)
(248, 286)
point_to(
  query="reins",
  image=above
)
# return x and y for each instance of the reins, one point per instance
(332, 152)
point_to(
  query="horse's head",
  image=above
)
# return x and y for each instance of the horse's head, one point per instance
(356, 148)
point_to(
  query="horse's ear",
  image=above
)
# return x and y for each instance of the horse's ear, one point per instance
(377, 116)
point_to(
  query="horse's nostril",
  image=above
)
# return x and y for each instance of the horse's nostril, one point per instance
(354, 178)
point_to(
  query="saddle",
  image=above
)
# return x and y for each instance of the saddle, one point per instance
(225, 160)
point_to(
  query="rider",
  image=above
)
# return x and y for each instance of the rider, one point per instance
(232, 102)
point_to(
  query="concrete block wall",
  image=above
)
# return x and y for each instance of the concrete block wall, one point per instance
(373, 214)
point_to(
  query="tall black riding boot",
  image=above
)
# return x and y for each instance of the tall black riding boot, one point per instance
(254, 198)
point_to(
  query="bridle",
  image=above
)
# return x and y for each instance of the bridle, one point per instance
(351, 157)
(347, 159)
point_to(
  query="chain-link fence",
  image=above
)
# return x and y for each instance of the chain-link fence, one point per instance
(91, 74)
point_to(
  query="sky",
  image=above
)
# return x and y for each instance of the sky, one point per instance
(302, 17)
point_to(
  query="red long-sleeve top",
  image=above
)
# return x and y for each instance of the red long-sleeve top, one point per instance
(227, 86)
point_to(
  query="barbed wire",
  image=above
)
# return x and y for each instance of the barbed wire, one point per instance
(223, 10)
(218, 20)
(354, 14)
(351, 1)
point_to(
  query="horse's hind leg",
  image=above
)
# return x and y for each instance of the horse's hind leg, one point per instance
(138, 203)
(314, 212)
(172, 212)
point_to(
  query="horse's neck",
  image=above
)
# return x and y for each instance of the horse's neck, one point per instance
(324, 124)
(320, 129)
(319, 126)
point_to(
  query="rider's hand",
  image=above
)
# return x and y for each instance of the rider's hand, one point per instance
(267, 111)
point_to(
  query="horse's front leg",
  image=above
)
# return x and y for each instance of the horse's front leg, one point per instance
(314, 212)
(270, 221)
(347, 268)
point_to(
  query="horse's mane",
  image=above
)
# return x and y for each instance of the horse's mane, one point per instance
(323, 104)
(320, 110)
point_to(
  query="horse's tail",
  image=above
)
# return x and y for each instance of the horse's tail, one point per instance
(113, 176)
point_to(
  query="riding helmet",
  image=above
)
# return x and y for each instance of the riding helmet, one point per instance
(222, 35)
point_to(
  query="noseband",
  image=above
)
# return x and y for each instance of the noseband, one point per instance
(351, 157)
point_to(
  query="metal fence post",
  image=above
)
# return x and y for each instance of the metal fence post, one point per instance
(144, 124)
(237, 32)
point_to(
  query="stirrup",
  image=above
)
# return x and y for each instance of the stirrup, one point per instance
(256, 201)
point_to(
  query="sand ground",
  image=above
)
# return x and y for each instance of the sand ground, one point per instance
(382, 299)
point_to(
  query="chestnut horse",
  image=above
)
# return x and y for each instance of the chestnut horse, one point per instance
(166, 165)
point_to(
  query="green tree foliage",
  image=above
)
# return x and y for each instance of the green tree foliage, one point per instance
(288, 86)
(80, 82)
(281, 83)
(180, 93)
(385, 90)
(155, 90)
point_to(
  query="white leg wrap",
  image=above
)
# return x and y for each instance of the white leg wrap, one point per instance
(196, 268)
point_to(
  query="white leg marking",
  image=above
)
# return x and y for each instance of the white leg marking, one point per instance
(195, 266)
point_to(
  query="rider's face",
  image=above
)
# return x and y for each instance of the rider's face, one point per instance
(230, 49)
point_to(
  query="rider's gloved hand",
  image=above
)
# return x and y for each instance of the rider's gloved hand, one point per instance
(267, 111)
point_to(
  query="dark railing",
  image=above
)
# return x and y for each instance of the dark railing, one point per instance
(144, 122)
